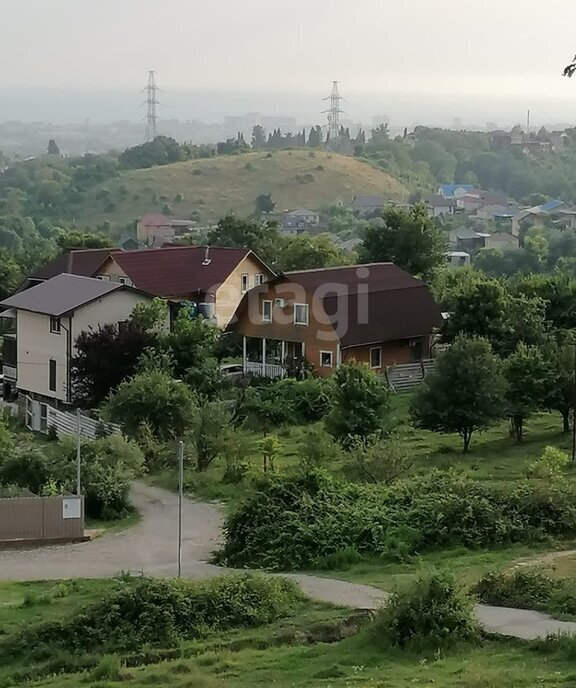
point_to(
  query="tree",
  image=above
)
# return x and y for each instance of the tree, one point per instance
(258, 137)
(410, 239)
(192, 343)
(530, 379)
(162, 151)
(262, 237)
(562, 396)
(361, 406)
(264, 204)
(152, 317)
(155, 399)
(73, 238)
(209, 434)
(53, 148)
(10, 274)
(104, 358)
(306, 252)
(464, 393)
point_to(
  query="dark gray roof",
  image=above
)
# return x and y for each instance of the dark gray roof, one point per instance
(61, 294)
(368, 202)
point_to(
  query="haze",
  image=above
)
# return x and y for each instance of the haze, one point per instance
(413, 59)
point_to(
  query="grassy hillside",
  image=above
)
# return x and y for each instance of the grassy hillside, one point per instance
(215, 186)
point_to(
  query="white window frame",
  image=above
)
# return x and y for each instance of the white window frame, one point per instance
(379, 350)
(55, 325)
(327, 353)
(258, 279)
(244, 282)
(264, 318)
(307, 311)
(104, 278)
(122, 280)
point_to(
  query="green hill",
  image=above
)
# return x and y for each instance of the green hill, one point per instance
(213, 187)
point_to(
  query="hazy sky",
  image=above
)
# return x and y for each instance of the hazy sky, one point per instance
(485, 50)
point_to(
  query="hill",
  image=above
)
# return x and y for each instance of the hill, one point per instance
(210, 188)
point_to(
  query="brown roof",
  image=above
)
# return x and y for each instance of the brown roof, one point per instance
(61, 294)
(369, 304)
(179, 271)
(82, 262)
(155, 220)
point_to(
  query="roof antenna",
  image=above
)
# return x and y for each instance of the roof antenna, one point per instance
(207, 260)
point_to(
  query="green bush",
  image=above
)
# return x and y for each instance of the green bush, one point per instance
(161, 612)
(431, 614)
(315, 516)
(520, 589)
(28, 469)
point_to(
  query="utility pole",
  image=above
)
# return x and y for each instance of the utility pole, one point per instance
(180, 503)
(151, 103)
(334, 112)
(78, 453)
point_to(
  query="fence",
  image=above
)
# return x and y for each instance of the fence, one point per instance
(41, 519)
(406, 376)
(41, 417)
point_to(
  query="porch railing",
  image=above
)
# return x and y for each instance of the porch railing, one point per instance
(264, 369)
(408, 375)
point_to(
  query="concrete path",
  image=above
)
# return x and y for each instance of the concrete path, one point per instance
(151, 548)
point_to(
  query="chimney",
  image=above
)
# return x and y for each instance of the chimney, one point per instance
(207, 260)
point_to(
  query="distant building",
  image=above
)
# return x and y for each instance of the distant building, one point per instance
(438, 205)
(465, 239)
(458, 259)
(298, 221)
(368, 206)
(502, 240)
(454, 190)
(156, 228)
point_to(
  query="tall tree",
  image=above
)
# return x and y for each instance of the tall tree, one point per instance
(264, 204)
(73, 238)
(464, 393)
(410, 239)
(306, 252)
(10, 274)
(53, 148)
(258, 137)
(262, 237)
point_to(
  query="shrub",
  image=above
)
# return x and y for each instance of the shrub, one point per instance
(521, 589)
(315, 516)
(162, 612)
(550, 465)
(431, 614)
(28, 469)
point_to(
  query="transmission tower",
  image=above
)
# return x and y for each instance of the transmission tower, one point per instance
(151, 103)
(334, 112)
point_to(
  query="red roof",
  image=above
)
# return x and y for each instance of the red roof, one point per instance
(82, 262)
(179, 271)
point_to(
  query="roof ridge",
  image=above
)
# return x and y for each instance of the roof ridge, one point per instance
(339, 267)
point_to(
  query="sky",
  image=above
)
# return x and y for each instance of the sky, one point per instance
(415, 58)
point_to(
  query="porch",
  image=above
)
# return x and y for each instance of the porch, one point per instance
(270, 358)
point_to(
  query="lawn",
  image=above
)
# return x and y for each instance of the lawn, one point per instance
(302, 651)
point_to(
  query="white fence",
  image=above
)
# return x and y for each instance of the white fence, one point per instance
(264, 369)
(406, 376)
(41, 417)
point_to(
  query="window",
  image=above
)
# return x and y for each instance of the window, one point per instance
(52, 376)
(376, 358)
(258, 279)
(123, 280)
(44, 418)
(104, 278)
(266, 311)
(326, 359)
(244, 283)
(55, 325)
(300, 313)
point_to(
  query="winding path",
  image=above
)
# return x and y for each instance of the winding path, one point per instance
(151, 548)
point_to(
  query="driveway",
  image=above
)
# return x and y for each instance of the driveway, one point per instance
(151, 548)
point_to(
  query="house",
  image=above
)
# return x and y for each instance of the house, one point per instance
(368, 206)
(465, 239)
(298, 221)
(375, 314)
(214, 278)
(438, 205)
(497, 212)
(457, 259)
(160, 228)
(454, 190)
(502, 240)
(49, 317)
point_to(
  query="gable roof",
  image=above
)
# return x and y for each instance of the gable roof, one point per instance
(179, 271)
(61, 294)
(392, 304)
(450, 189)
(82, 262)
(368, 202)
(438, 201)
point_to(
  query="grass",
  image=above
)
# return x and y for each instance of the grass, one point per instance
(215, 186)
(110, 527)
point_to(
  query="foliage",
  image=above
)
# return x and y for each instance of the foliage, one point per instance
(162, 151)
(431, 614)
(318, 449)
(381, 462)
(210, 426)
(104, 358)
(150, 317)
(306, 252)
(550, 465)
(529, 381)
(315, 516)
(161, 612)
(10, 273)
(269, 447)
(25, 469)
(155, 398)
(520, 588)
(361, 406)
(259, 236)
(410, 239)
(70, 239)
(264, 203)
(464, 393)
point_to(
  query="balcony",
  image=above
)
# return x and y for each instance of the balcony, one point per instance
(269, 370)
